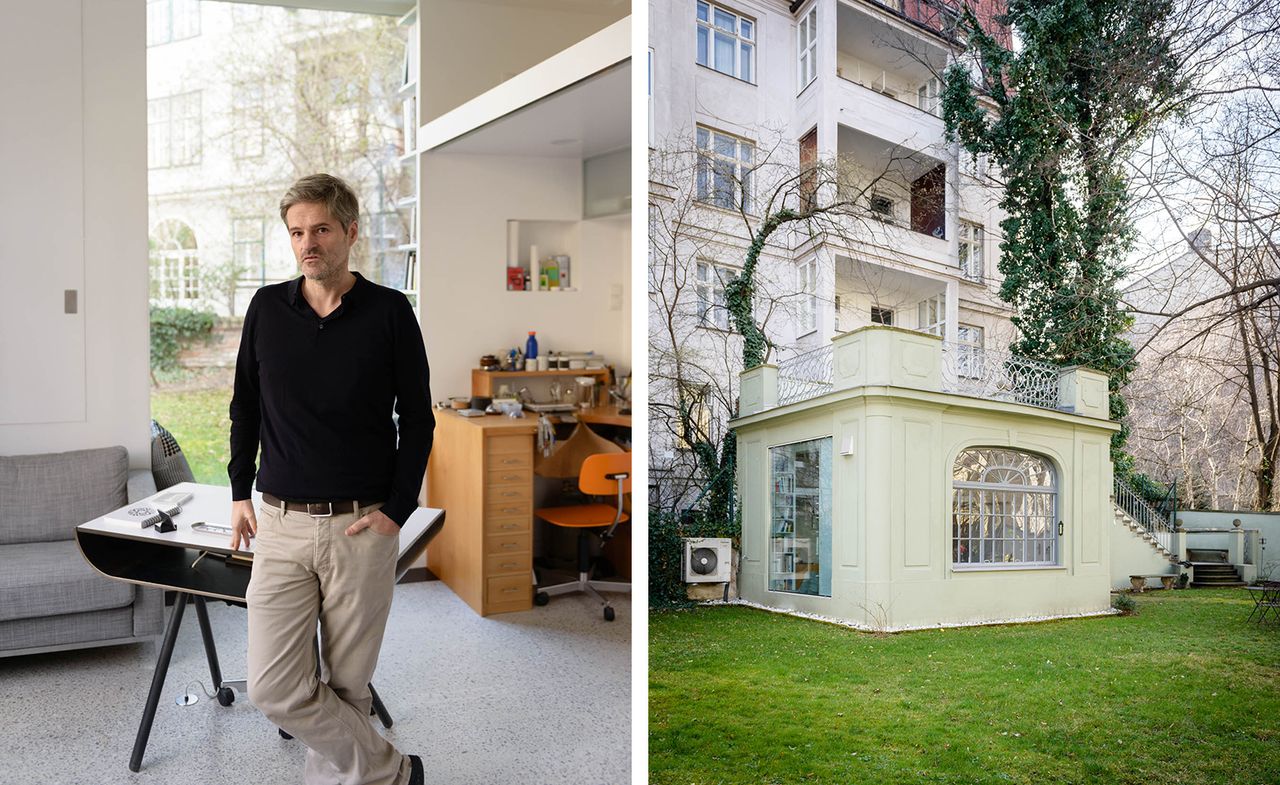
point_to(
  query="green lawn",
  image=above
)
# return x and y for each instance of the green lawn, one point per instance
(198, 419)
(1184, 692)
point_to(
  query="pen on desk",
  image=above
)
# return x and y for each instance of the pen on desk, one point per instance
(198, 558)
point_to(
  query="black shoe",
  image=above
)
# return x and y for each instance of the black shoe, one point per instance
(416, 777)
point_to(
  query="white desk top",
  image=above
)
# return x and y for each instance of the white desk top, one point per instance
(212, 504)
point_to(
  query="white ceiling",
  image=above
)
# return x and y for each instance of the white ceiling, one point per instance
(583, 120)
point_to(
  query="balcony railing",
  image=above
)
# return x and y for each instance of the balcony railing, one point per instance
(805, 376)
(996, 375)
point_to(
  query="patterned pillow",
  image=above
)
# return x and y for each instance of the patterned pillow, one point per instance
(168, 465)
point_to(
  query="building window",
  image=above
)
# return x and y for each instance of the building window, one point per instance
(724, 170)
(931, 316)
(713, 310)
(882, 207)
(172, 20)
(1004, 509)
(971, 251)
(809, 170)
(800, 526)
(807, 46)
(248, 243)
(250, 133)
(175, 263)
(882, 316)
(808, 285)
(652, 136)
(173, 130)
(970, 339)
(692, 400)
(928, 94)
(726, 41)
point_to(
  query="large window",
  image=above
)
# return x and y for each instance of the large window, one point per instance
(807, 46)
(800, 526)
(808, 284)
(713, 310)
(726, 41)
(969, 351)
(724, 170)
(172, 20)
(971, 251)
(694, 405)
(248, 241)
(1004, 509)
(175, 264)
(250, 135)
(173, 127)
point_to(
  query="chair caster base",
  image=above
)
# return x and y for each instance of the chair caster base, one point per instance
(541, 598)
(608, 613)
(226, 696)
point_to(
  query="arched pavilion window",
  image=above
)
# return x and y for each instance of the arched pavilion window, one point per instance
(1004, 509)
(175, 263)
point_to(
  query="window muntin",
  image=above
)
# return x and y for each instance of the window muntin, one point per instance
(248, 243)
(970, 339)
(800, 522)
(881, 315)
(173, 130)
(807, 46)
(928, 95)
(726, 41)
(249, 137)
(172, 20)
(970, 254)
(175, 263)
(713, 309)
(931, 316)
(724, 170)
(1004, 509)
(808, 286)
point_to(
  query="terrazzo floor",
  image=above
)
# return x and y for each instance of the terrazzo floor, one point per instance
(541, 696)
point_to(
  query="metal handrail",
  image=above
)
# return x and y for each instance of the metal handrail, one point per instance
(1140, 510)
(997, 375)
(805, 376)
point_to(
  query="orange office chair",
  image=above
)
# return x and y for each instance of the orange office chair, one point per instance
(601, 474)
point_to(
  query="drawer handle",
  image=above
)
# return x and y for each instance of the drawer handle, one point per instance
(508, 545)
(509, 591)
(511, 493)
(511, 509)
(511, 477)
(510, 565)
(511, 461)
(509, 526)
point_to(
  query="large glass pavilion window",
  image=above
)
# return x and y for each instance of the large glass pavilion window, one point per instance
(800, 527)
(1004, 509)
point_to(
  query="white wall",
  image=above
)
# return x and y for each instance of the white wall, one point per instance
(1132, 555)
(103, 42)
(467, 312)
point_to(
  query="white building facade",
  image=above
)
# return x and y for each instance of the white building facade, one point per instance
(853, 85)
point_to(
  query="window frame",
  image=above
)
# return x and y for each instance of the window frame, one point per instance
(710, 294)
(807, 48)
(704, 47)
(970, 242)
(696, 395)
(807, 286)
(157, 8)
(987, 522)
(969, 351)
(706, 171)
(881, 312)
(191, 125)
(825, 504)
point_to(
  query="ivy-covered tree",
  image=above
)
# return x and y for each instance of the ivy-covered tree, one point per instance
(1087, 84)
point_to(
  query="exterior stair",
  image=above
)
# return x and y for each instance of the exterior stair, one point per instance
(1215, 574)
(1129, 523)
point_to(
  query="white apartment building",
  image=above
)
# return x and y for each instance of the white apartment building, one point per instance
(850, 82)
(228, 133)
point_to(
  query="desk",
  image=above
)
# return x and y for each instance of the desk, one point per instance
(146, 557)
(603, 415)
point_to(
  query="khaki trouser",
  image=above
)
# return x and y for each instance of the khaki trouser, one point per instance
(307, 569)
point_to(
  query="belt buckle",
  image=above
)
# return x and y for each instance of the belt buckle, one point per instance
(320, 504)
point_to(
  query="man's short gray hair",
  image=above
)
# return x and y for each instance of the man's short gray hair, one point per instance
(324, 189)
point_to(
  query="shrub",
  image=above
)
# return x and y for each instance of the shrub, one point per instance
(1125, 604)
(667, 529)
(174, 329)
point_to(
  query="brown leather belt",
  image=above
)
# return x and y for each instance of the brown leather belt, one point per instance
(315, 509)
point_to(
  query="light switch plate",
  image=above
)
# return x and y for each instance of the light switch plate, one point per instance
(69, 301)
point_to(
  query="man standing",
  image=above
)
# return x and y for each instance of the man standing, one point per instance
(323, 360)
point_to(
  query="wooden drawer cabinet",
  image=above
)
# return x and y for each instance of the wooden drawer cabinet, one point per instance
(485, 551)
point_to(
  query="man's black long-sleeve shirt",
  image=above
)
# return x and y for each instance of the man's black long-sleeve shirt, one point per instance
(319, 394)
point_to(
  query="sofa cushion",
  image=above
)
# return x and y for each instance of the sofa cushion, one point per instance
(51, 579)
(44, 497)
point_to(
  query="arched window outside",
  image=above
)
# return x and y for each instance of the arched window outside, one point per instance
(1004, 509)
(175, 263)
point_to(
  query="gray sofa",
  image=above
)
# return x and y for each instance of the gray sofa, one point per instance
(50, 598)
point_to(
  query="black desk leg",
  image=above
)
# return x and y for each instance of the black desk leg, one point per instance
(210, 651)
(379, 708)
(157, 681)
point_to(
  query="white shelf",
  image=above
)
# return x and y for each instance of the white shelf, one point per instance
(592, 55)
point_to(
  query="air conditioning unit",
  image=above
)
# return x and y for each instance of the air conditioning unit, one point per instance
(707, 559)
